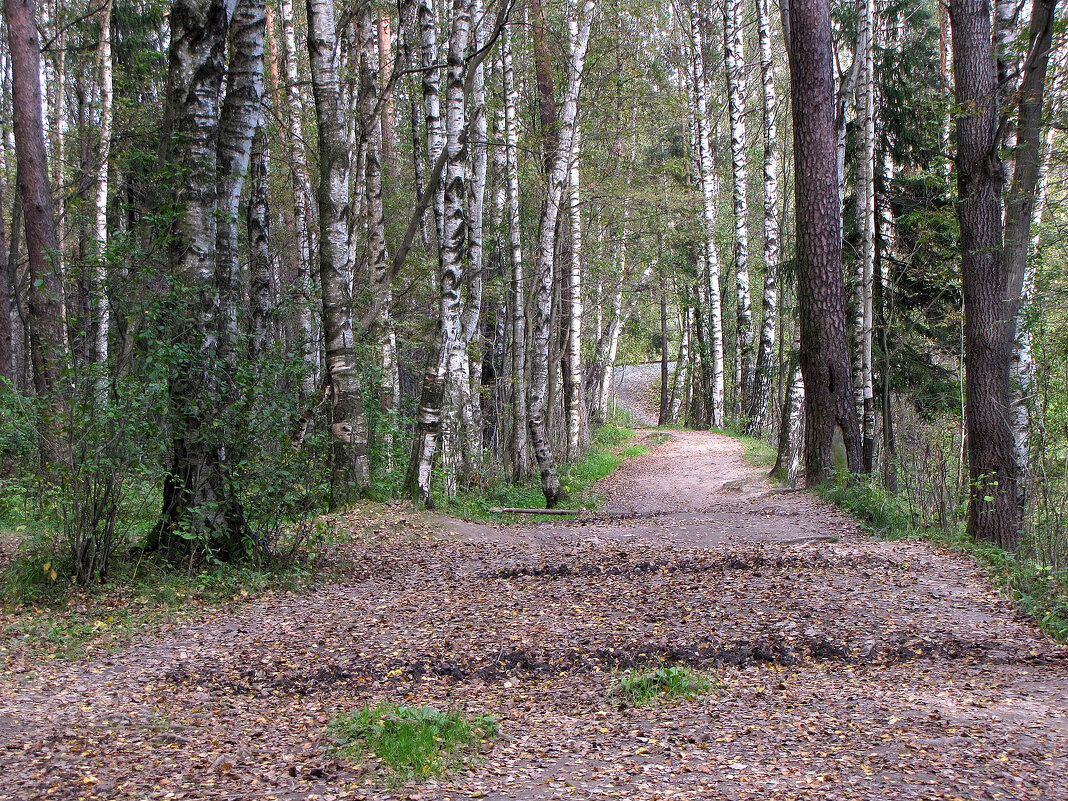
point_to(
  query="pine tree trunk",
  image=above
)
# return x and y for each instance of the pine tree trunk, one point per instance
(761, 396)
(992, 510)
(825, 363)
(348, 420)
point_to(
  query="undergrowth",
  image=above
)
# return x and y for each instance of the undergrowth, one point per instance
(608, 449)
(644, 686)
(406, 743)
(1040, 592)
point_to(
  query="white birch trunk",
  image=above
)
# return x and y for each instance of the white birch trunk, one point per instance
(348, 427)
(866, 226)
(430, 425)
(709, 193)
(302, 198)
(515, 250)
(557, 177)
(734, 56)
(761, 395)
(573, 351)
(102, 322)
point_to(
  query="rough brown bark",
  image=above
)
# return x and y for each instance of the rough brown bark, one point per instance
(824, 356)
(45, 306)
(992, 510)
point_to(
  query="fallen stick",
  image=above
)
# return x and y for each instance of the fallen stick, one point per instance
(509, 510)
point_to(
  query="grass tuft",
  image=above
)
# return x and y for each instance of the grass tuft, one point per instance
(644, 686)
(410, 743)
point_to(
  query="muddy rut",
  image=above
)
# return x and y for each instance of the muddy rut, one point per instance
(843, 667)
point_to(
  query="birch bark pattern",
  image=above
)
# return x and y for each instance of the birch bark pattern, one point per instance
(761, 396)
(709, 192)
(348, 420)
(539, 380)
(734, 56)
(515, 250)
(1028, 183)
(102, 317)
(866, 226)
(308, 347)
(429, 424)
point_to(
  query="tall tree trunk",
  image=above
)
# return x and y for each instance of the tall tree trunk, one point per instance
(543, 288)
(348, 420)
(665, 372)
(471, 321)
(198, 493)
(45, 307)
(373, 133)
(258, 228)
(825, 364)
(734, 56)
(515, 248)
(866, 226)
(431, 71)
(709, 195)
(302, 197)
(429, 423)
(240, 117)
(102, 317)
(385, 70)
(992, 510)
(682, 369)
(1027, 185)
(761, 396)
(574, 301)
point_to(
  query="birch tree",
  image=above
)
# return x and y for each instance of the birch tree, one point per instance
(543, 285)
(348, 421)
(762, 377)
(866, 225)
(429, 425)
(734, 56)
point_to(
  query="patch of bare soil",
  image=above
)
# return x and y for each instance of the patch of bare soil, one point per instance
(845, 668)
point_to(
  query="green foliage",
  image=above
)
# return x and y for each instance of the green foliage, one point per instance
(1038, 590)
(643, 686)
(606, 453)
(411, 743)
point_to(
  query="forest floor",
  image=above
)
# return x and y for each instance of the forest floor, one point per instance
(842, 667)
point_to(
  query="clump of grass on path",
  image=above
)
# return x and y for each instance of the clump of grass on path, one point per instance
(643, 686)
(410, 743)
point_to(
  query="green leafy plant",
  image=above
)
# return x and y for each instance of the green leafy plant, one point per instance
(644, 686)
(411, 743)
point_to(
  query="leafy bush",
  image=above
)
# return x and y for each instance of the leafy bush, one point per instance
(411, 743)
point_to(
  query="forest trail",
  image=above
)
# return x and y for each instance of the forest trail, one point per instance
(843, 667)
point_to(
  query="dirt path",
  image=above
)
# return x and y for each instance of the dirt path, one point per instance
(845, 668)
